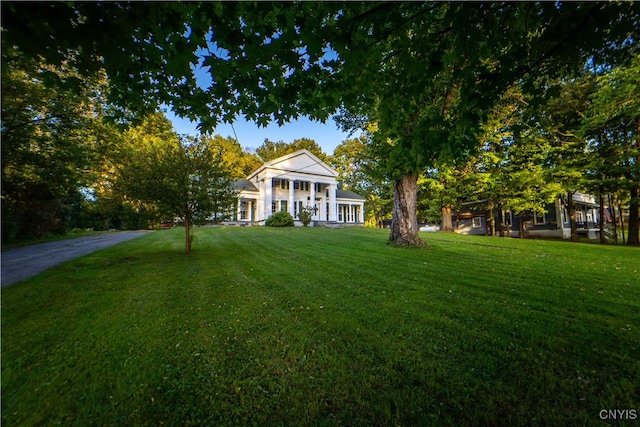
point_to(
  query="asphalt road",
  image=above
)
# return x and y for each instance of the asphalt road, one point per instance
(27, 261)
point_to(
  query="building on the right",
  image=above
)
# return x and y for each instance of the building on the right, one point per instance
(474, 217)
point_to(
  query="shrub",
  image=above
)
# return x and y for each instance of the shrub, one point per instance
(279, 219)
(305, 215)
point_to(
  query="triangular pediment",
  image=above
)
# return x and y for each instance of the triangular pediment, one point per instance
(302, 161)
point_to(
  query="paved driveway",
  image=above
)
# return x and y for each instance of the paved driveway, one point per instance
(22, 263)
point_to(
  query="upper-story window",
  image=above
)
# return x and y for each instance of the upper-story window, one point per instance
(280, 183)
(301, 185)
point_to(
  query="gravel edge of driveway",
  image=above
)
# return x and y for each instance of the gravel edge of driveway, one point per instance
(27, 261)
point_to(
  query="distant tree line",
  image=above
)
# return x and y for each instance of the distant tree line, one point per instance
(67, 165)
(424, 79)
(583, 137)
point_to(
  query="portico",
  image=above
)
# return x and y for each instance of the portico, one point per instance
(293, 182)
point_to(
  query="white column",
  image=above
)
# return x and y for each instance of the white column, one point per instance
(362, 213)
(259, 205)
(238, 218)
(290, 206)
(268, 195)
(312, 192)
(332, 203)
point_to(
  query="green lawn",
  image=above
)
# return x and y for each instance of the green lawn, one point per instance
(311, 326)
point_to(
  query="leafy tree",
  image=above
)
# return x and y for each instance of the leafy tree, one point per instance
(527, 180)
(270, 150)
(447, 187)
(435, 81)
(561, 119)
(613, 124)
(356, 167)
(50, 144)
(239, 162)
(425, 73)
(185, 178)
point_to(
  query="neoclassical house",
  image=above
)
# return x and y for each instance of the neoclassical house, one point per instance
(291, 183)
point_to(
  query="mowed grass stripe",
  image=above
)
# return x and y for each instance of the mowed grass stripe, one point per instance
(313, 326)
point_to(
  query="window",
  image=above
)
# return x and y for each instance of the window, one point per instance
(318, 187)
(274, 206)
(476, 222)
(244, 210)
(507, 218)
(280, 183)
(301, 185)
(283, 205)
(538, 218)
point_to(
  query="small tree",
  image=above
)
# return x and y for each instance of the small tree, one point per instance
(305, 215)
(184, 177)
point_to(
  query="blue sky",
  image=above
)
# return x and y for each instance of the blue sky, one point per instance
(249, 135)
(327, 135)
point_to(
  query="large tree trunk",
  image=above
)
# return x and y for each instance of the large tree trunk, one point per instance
(522, 230)
(602, 219)
(491, 223)
(447, 222)
(633, 238)
(614, 218)
(404, 225)
(621, 216)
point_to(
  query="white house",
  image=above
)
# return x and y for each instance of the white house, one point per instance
(292, 182)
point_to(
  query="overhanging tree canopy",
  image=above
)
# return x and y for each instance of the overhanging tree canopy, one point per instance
(425, 73)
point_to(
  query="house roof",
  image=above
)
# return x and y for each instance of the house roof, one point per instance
(348, 194)
(244, 185)
(312, 164)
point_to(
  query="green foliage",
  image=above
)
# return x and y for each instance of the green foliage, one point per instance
(280, 219)
(270, 150)
(183, 178)
(306, 215)
(356, 165)
(343, 331)
(394, 56)
(425, 75)
(239, 162)
(612, 124)
(51, 144)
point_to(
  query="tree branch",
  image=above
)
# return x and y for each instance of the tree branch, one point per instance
(566, 38)
(406, 21)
